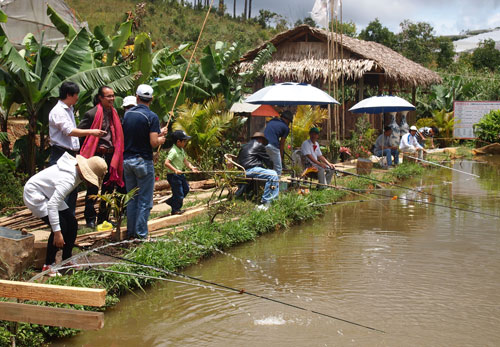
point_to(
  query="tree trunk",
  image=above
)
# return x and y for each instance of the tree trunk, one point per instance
(221, 7)
(31, 150)
(6, 143)
(249, 9)
(245, 10)
(234, 9)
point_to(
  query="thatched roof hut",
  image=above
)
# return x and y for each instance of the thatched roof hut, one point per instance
(302, 56)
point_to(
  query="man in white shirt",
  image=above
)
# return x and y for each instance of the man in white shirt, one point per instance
(44, 195)
(63, 132)
(311, 151)
(409, 143)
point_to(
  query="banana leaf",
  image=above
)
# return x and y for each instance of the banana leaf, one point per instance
(68, 62)
(143, 60)
(3, 17)
(61, 25)
(103, 39)
(118, 41)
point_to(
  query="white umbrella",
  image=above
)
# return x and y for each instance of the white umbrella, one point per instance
(290, 94)
(382, 104)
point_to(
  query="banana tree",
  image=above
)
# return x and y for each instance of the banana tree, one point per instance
(36, 72)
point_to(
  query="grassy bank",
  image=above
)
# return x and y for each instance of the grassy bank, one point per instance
(179, 250)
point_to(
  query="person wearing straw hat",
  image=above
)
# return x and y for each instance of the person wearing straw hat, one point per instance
(44, 195)
(276, 132)
(253, 157)
(315, 158)
(142, 133)
(409, 143)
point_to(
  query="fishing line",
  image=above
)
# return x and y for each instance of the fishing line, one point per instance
(240, 291)
(407, 188)
(446, 167)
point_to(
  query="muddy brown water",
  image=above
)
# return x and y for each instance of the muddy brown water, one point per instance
(426, 275)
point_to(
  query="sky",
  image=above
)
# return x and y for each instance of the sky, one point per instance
(447, 17)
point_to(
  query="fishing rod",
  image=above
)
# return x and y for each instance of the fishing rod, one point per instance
(351, 201)
(410, 200)
(404, 187)
(239, 291)
(446, 167)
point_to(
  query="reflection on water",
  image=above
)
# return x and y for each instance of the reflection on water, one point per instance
(426, 275)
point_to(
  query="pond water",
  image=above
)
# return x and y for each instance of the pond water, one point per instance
(424, 274)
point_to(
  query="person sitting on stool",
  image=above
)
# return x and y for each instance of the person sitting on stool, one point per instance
(410, 144)
(310, 149)
(383, 147)
(253, 157)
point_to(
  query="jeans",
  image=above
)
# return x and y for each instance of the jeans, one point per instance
(56, 152)
(272, 187)
(180, 188)
(69, 227)
(275, 155)
(139, 173)
(388, 153)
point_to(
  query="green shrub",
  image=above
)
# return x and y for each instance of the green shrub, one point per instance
(11, 189)
(488, 128)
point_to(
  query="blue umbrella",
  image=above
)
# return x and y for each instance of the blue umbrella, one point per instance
(382, 104)
(290, 94)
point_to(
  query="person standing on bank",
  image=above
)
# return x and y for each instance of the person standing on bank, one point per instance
(314, 157)
(383, 147)
(63, 132)
(109, 147)
(44, 195)
(141, 131)
(176, 163)
(276, 132)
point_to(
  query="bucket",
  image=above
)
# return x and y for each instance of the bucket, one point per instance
(364, 166)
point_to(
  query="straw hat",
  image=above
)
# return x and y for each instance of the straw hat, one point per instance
(93, 169)
(258, 134)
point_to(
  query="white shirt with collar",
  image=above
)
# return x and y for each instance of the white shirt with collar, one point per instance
(409, 142)
(61, 123)
(44, 193)
(308, 147)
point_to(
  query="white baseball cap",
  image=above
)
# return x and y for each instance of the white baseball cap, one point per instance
(144, 91)
(413, 128)
(129, 101)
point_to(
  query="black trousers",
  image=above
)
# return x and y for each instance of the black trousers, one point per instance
(69, 227)
(90, 212)
(56, 152)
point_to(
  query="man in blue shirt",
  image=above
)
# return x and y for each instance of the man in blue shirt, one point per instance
(141, 132)
(276, 132)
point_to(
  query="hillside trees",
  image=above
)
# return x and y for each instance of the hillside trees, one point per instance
(486, 56)
(374, 31)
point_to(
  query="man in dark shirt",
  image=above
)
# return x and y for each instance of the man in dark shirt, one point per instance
(141, 129)
(276, 132)
(253, 158)
(427, 133)
(109, 147)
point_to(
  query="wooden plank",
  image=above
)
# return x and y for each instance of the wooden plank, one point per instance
(53, 316)
(52, 293)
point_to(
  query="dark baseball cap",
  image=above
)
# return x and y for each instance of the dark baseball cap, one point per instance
(180, 135)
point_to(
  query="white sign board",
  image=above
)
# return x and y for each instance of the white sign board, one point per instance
(468, 113)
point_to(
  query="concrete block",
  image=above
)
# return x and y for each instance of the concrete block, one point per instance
(16, 252)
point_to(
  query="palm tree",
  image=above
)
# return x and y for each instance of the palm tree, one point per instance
(249, 9)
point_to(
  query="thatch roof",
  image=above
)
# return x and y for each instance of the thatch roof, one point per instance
(307, 61)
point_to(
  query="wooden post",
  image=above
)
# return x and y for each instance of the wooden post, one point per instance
(52, 293)
(53, 316)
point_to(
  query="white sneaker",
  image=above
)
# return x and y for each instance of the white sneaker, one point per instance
(52, 272)
(262, 207)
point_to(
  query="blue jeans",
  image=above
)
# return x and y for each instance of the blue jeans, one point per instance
(139, 173)
(388, 153)
(272, 188)
(180, 188)
(275, 155)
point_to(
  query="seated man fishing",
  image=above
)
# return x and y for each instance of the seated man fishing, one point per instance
(410, 144)
(384, 147)
(253, 157)
(311, 151)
